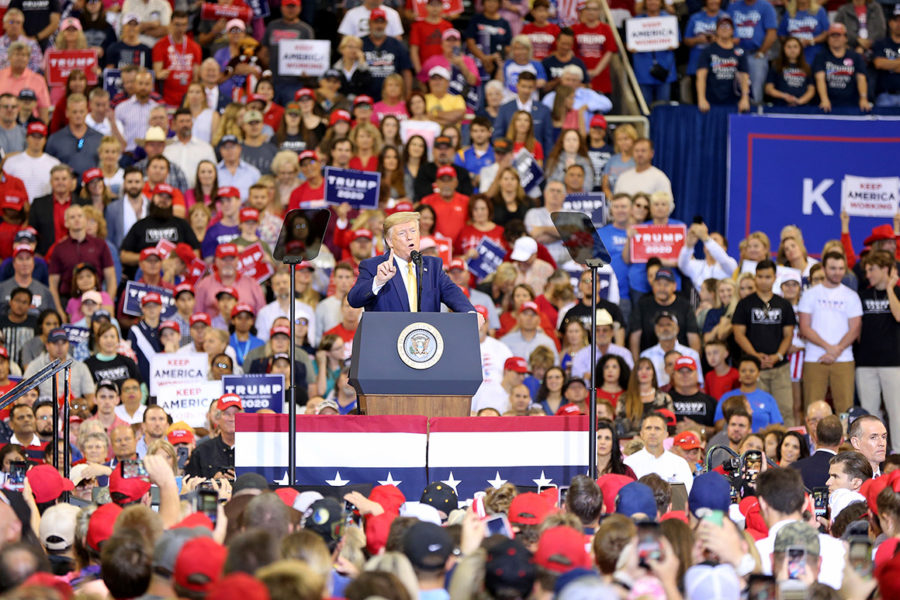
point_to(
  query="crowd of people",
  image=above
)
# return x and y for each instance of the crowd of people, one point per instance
(746, 393)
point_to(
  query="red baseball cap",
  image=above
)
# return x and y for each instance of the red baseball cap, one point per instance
(238, 586)
(131, 488)
(4, 352)
(200, 562)
(200, 317)
(47, 484)
(303, 93)
(228, 192)
(363, 99)
(598, 121)
(610, 484)
(686, 362)
(308, 155)
(256, 98)
(568, 410)
(100, 525)
(516, 363)
(90, 175)
(482, 310)
(249, 214)
(687, 440)
(529, 306)
(403, 206)
(185, 253)
(151, 251)
(226, 251)
(457, 263)
(151, 297)
(668, 415)
(229, 400)
(180, 433)
(36, 127)
(170, 324)
(290, 2)
(378, 13)
(14, 201)
(184, 287)
(529, 509)
(446, 171)
(197, 519)
(164, 188)
(280, 329)
(239, 308)
(20, 248)
(339, 115)
(561, 549)
(361, 233)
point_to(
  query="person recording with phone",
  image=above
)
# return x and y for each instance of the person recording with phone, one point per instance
(422, 284)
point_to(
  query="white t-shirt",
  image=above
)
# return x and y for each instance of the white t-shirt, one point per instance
(670, 467)
(831, 571)
(103, 126)
(650, 181)
(148, 10)
(356, 22)
(34, 172)
(494, 354)
(830, 309)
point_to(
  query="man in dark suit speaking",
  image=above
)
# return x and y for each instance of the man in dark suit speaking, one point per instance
(389, 283)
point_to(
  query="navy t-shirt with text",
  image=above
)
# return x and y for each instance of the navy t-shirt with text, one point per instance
(840, 75)
(888, 81)
(723, 66)
(791, 80)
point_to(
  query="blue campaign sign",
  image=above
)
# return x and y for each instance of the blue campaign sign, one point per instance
(134, 291)
(257, 391)
(77, 335)
(490, 255)
(359, 189)
(790, 170)
(530, 173)
(260, 8)
(592, 204)
(112, 81)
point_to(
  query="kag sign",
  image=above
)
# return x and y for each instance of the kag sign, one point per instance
(802, 170)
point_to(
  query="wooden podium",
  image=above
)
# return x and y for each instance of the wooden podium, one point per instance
(416, 363)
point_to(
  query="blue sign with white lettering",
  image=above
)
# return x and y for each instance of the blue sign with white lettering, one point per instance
(134, 291)
(257, 391)
(359, 189)
(490, 255)
(592, 204)
(790, 170)
(530, 173)
(112, 81)
(260, 8)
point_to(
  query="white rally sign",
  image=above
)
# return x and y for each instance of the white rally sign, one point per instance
(651, 34)
(870, 196)
(166, 369)
(189, 402)
(304, 57)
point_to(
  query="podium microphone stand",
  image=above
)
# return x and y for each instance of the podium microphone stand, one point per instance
(581, 240)
(299, 241)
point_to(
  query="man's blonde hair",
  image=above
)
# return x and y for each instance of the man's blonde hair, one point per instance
(399, 218)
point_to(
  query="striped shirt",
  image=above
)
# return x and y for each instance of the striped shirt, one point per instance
(135, 117)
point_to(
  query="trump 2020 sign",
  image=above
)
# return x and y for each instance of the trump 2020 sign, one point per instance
(799, 170)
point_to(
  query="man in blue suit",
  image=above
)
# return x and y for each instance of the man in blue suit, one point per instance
(527, 100)
(814, 469)
(388, 282)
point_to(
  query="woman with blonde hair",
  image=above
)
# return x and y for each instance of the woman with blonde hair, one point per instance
(624, 137)
(286, 167)
(352, 66)
(95, 225)
(792, 253)
(229, 124)
(93, 189)
(371, 219)
(76, 83)
(500, 284)
(521, 134)
(198, 218)
(367, 140)
(717, 324)
(393, 99)
(109, 153)
(521, 59)
(569, 149)
(754, 248)
(206, 120)
(746, 285)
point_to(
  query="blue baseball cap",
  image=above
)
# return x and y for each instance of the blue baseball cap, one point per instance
(636, 498)
(710, 490)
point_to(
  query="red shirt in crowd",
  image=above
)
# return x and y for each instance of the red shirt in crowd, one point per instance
(272, 116)
(371, 163)
(429, 38)
(451, 216)
(179, 59)
(306, 196)
(716, 384)
(591, 45)
(542, 38)
(470, 237)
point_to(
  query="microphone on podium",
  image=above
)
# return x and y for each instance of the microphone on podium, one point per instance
(416, 257)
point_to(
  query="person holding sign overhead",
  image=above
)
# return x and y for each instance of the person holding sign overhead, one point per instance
(389, 283)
